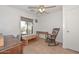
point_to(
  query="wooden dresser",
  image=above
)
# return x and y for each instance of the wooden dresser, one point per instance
(11, 46)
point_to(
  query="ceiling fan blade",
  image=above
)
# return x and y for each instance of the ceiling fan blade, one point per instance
(45, 12)
(32, 10)
(31, 7)
(50, 7)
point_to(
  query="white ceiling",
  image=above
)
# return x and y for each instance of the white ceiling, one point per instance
(25, 8)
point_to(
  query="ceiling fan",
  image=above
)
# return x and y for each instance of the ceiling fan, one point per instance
(40, 9)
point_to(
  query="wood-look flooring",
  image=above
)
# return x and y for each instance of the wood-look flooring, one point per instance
(41, 47)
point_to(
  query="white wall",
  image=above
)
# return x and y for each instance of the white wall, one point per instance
(70, 27)
(10, 20)
(50, 21)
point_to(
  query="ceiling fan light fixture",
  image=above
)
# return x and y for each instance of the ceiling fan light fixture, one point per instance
(41, 10)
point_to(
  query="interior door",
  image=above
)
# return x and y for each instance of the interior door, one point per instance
(72, 28)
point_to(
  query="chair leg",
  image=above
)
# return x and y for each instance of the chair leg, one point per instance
(54, 42)
(49, 41)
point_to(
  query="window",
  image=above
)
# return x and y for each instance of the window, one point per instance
(26, 26)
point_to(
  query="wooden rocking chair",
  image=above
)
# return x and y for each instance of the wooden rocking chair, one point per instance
(51, 38)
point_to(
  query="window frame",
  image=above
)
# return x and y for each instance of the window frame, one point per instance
(27, 20)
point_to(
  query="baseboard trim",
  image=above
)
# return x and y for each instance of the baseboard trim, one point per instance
(72, 50)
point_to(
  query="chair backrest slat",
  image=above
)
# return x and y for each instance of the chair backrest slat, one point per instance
(55, 32)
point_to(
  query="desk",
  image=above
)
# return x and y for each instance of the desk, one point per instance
(41, 32)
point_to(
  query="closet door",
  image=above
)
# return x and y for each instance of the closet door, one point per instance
(71, 21)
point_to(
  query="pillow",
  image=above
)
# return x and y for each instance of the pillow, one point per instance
(1, 40)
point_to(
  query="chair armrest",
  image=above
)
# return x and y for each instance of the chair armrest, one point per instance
(49, 36)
